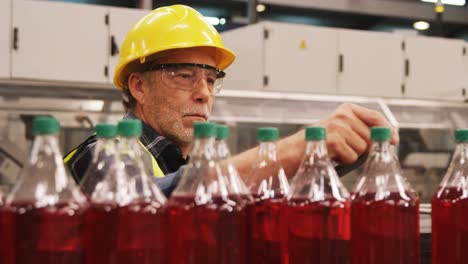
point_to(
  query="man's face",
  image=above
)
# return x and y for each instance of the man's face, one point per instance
(171, 111)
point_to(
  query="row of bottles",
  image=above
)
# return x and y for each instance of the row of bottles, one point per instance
(119, 215)
(316, 220)
(450, 208)
(47, 219)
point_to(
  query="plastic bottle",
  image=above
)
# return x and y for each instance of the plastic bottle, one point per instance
(269, 187)
(126, 222)
(207, 219)
(384, 209)
(318, 208)
(450, 208)
(46, 206)
(234, 180)
(103, 157)
(228, 168)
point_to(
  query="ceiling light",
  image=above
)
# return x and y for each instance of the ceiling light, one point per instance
(448, 2)
(261, 8)
(212, 20)
(222, 21)
(421, 25)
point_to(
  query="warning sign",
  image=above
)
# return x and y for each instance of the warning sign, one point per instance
(303, 45)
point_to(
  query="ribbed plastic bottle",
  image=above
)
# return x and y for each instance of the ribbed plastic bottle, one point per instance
(450, 208)
(103, 157)
(318, 209)
(46, 207)
(126, 222)
(228, 168)
(269, 187)
(384, 209)
(234, 180)
(207, 219)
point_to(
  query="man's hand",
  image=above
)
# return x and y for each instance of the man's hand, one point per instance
(348, 131)
(348, 137)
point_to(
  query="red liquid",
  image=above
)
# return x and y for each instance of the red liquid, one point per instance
(266, 219)
(131, 234)
(318, 232)
(47, 235)
(212, 233)
(449, 227)
(7, 232)
(386, 231)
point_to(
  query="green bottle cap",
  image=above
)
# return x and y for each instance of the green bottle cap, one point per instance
(129, 128)
(461, 135)
(267, 134)
(204, 130)
(106, 131)
(222, 132)
(45, 125)
(315, 133)
(380, 133)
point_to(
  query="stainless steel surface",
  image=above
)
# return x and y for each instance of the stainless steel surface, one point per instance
(18, 96)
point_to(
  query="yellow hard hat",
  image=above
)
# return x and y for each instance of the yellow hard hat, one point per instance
(166, 28)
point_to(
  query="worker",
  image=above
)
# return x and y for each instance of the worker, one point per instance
(170, 69)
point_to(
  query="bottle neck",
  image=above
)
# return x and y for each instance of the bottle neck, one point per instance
(203, 176)
(316, 178)
(204, 148)
(460, 155)
(382, 174)
(458, 167)
(381, 160)
(267, 150)
(133, 182)
(127, 144)
(381, 151)
(267, 178)
(44, 179)
(316, 150)
(45, 157)
(222, 149)
(105, 147)
(44, 146)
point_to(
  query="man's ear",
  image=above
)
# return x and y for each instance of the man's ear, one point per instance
(135, 85)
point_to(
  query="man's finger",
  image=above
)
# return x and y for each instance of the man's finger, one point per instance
(356, 142)
(373, 118)
(343, 153)
(360, 128)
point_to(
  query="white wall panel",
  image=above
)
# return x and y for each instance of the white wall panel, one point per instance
(247, 71)
(121, 20)
(373, 63)
(301, 58)
(5, 38)
(60, 41)
(435, 68)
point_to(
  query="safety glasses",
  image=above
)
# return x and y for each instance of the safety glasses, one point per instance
(186, 76)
